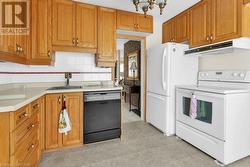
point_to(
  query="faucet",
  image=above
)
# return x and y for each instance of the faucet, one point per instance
(68, 76)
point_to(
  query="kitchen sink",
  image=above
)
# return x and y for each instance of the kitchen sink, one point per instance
(65, 87)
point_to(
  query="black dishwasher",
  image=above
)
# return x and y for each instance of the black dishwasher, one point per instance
(102, 116)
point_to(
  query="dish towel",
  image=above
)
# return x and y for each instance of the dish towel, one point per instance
(64, 122)
(193, 107)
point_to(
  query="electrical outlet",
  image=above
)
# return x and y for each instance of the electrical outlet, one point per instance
(68, 75)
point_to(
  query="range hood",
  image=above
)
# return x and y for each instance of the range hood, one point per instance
(231, 46)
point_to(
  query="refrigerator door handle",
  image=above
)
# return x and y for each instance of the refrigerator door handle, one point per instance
(163, 70)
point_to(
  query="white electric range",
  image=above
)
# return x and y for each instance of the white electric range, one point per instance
(221, 127)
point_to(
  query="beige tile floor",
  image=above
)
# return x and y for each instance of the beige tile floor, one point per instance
(141, 146)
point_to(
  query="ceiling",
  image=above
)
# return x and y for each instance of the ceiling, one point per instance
(173, 8)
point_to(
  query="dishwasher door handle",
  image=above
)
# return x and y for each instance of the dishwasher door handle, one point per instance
(103, 102)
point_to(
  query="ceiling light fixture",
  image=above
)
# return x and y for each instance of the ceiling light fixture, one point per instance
(145, 5)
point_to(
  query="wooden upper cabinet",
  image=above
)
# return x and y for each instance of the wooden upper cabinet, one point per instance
(126, 20)
(168, 31)
(106, 37)
(63, 23)
(53, 139)
(200, 23)
(86, 26)
(227, 20)
(74, 105)
(144, 24)
(182, 27)
(14, 48)
(41, 33)
(134, 22)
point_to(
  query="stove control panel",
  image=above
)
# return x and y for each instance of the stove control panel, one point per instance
(230, 76)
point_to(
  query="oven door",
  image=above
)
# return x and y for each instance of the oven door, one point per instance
(210, 112)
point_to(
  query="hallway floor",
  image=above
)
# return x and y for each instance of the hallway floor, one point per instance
(128, 116)
(141, 146)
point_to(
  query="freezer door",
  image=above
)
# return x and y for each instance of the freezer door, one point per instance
(157, 107)
(158, 64)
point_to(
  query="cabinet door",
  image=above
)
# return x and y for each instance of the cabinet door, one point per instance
(12, 43)
(200, 20)
(63, 23)
(41, 32)
(126, 20)
(227, 20)
(182, 27)
(74, 105)
(53, 139)
(106, 36)
(86, 26)
(144, 24)
(168, 31)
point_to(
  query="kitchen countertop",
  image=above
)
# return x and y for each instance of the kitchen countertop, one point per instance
(33, 92)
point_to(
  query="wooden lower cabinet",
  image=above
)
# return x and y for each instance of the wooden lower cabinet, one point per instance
(53, 107)
(32, 129)
(20, 136)
(74, 105)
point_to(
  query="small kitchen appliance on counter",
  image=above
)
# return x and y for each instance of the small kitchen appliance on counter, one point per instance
(220, 125)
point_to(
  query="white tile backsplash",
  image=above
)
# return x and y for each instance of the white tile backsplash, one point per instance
(65, 62)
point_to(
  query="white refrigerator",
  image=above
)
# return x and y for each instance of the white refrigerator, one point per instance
(167, 66)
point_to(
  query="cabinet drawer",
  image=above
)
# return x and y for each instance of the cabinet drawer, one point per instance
(32, 159)
(20, 116)
(19, 135)
(35, 107)
(25, 150)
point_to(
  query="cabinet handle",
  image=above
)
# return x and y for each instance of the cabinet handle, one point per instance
(49, 53)
(31, 147)
(23, 115)
(20, 49)
(59, 100)
(17, 48)
(73, 41)
(77, 41)
(31, 126)
(208, 38)
(36, 106)
(211, 38)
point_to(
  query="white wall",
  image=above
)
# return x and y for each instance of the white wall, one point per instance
(232, 61)
(156, 37)
(65, 62)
